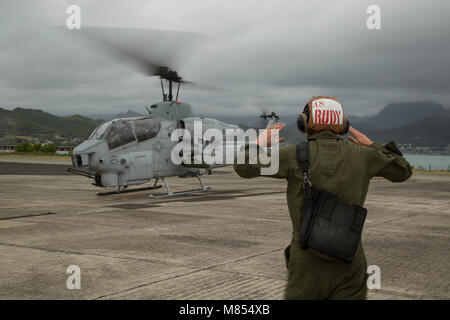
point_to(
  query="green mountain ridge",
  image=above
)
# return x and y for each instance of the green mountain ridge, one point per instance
(429, 131)
(40, 123)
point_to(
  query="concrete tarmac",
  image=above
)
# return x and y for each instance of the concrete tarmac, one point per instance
(226, 243)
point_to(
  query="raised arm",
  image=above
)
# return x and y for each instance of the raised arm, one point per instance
(383, 161)
(252, 165)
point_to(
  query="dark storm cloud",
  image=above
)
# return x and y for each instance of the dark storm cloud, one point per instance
(262, 55)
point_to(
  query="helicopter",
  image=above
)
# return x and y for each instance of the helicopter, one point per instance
(132, 151)
(126, 152)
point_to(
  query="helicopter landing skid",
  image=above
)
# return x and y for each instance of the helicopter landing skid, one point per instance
(120, 191)
(171, 194)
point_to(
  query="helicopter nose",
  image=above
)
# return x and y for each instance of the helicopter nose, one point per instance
(83, 153)
(80, 160)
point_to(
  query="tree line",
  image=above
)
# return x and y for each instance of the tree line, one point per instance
(27, 147)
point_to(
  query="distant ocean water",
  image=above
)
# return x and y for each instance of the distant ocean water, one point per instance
(422, 161)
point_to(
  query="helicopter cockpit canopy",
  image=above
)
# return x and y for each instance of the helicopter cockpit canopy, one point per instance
(99, 131)
(119, 134)
(123, 131)
(145, 128)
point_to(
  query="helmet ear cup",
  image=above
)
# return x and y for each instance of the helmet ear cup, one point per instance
(302, 122)
(346, 126)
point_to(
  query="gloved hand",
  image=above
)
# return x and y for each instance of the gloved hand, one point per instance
(358, 137)
(267, 137)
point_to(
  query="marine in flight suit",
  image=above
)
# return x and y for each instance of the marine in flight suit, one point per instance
(343, 168)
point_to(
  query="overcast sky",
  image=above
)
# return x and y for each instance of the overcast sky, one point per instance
(259, 55)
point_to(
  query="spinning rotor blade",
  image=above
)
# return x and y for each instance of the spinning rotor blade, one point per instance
(150, 52)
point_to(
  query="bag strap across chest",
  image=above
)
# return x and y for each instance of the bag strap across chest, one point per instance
(302, 152)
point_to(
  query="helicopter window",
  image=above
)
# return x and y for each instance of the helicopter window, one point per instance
(99, 131)
(145, 128)
(119, 134)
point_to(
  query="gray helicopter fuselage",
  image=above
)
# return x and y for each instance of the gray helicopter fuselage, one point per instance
(131, 151)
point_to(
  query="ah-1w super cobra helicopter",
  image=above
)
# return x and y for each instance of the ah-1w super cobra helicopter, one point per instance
(132, 151)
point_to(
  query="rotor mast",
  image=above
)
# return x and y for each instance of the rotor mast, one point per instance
(171, 76)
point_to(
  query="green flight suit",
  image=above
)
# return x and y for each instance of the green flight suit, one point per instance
(343, 169)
